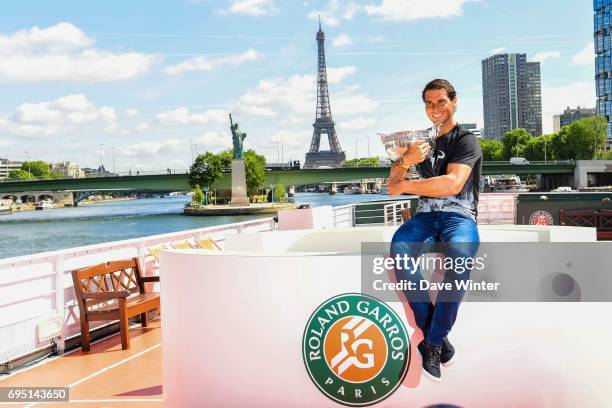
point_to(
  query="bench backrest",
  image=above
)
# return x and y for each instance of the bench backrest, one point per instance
(580, 218)
(111, 276)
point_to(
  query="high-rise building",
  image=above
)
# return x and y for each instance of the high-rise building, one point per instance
(569, 115)
(512, 95)
(602, 29)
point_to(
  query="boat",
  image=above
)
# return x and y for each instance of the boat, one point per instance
(256, 251)
(504, 183)
(351, 190)
(44, 205)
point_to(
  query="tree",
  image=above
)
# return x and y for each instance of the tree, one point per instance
(255, 166)
(362, 162)
(198, 195)
(514, 143)
(38, 169)
(560, 144)
(205, 170)
(21, 175)
(535, 148)
(279, 192)
(492, 150)
(587, 137)
(226, 158)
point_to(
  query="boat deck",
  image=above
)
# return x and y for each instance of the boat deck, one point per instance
(105, 377)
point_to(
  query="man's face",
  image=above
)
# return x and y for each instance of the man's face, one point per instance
(440, 109)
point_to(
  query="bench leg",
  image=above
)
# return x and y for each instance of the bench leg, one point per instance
(85, 338)
(143, 319)
(124, 325)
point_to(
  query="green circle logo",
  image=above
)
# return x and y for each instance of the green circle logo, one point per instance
(356, 349)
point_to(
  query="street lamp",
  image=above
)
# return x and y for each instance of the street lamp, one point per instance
(29, 164)
(114, 169)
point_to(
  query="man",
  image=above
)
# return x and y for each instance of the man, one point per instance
(446, 213)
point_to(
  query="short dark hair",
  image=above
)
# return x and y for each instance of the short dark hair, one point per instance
(440, 84)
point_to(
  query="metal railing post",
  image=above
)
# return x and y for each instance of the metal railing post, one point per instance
(60, 301)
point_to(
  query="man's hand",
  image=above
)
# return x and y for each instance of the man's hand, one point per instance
(415, 153)
(395, 186)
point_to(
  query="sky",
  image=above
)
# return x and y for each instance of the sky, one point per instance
(151, 82)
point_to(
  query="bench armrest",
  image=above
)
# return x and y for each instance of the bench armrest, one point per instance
(106, 295)
(149, 279)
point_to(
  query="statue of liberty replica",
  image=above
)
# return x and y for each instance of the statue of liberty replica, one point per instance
(239, 188)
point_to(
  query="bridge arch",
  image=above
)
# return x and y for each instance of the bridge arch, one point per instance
(10, 197)
(28, 198)
(45, 196)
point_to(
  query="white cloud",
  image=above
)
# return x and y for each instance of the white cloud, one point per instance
(556, 98)
(130, 113)
(499, 50)
(211, 63)
(357, 123)
(335, 11)
(353, 104)
(296, 94)
(61, 53)
(586, 56)
(543, 56)
(60, 37)
(407, 10)
(183, 116)
(144, 149)
(376, 39)
(251, 8)
(58, 116)
(143, 127)
(342, 40)
(336, 75)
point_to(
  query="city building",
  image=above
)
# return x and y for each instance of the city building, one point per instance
(67, 169)
(602, 29)
(569, 115)
(472, 127)
(6, 166)
(512, 96)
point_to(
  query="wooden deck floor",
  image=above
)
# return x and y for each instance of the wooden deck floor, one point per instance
(105, 377)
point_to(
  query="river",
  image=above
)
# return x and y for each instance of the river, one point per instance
(39, 231)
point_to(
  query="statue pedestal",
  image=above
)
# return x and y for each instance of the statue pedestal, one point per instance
(239, 188)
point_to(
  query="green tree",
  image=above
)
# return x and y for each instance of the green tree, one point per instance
(492, 150)
(587, 137)
(38, 168)
(535, 148)
(362, 162)
(279, 192)
(255, 166)
(560, 145)
(21, 175)
(514, 143)
(205, 170)
(226, 158)
(198, 195)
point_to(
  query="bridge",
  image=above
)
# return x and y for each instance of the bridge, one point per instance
(291, 177)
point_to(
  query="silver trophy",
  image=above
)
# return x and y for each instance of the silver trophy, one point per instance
(396, 143)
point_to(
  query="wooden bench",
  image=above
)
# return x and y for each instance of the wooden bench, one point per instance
(601, 220)
(113, 291)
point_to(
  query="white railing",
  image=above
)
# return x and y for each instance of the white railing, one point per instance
(344, 216)
(393, 212)
(35, 289)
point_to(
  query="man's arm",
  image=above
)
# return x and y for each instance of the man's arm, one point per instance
(448, 184)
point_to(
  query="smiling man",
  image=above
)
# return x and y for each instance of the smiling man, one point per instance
(447, 210)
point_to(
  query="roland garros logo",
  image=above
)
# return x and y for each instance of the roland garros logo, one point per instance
(356, 349)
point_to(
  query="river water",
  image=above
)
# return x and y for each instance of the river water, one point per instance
(38, 231)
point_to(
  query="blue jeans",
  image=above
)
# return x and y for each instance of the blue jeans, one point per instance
(416, 237)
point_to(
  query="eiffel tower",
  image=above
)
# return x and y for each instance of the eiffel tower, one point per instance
(324, 124)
